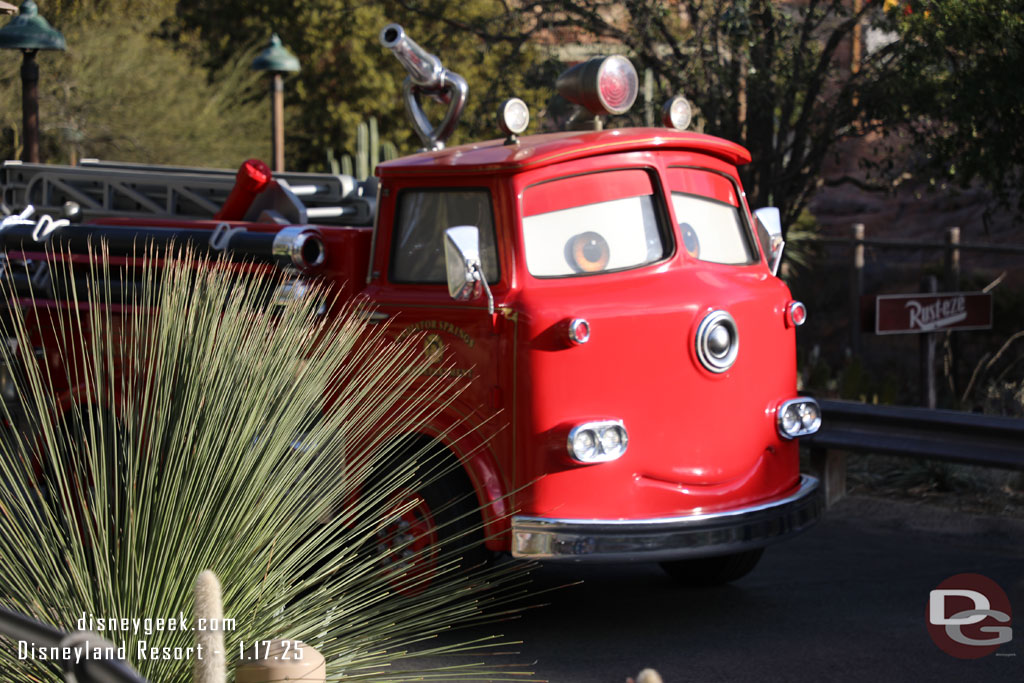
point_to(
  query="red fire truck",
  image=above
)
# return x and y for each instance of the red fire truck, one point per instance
(608, 295)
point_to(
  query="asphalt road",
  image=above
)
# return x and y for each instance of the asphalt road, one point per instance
(845, 601)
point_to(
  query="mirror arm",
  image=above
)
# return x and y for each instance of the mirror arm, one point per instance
(479, 275)
(778, 259)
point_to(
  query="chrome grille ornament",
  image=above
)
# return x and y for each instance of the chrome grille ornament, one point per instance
(717, 342)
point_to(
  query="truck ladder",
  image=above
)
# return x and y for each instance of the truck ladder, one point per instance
(147, 191)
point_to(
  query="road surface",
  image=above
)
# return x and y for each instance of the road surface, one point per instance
(845, 601)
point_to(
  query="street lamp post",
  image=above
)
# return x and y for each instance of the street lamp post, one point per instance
(277, 61)
(30, 33)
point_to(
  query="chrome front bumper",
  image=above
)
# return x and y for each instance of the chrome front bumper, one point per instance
(668, 538)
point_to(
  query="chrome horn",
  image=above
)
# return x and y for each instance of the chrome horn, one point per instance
(427, 76)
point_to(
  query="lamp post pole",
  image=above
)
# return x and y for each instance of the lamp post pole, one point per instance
(30, 106)
(277, 119)
(276, 60)
(30, 33)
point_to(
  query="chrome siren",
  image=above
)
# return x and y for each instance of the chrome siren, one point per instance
(427, 76)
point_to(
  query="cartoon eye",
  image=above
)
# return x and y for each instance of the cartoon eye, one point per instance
(690, 241)
(587, 252)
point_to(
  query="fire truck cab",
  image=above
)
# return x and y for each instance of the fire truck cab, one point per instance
(612, 295)
(606, 291)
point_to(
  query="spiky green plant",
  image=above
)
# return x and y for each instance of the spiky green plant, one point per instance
(200, 437)
(370, 150)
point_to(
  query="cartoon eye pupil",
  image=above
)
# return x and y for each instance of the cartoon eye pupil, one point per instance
(588, 252)
(592, 251)
(690, 241)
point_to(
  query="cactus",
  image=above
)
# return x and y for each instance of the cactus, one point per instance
(370, 151)
(363, 151)
(374, 143)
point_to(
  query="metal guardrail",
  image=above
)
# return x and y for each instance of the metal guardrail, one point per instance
(18, 627)
(949, 435)
(918, 245)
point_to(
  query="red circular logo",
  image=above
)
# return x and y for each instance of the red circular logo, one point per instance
(968, 616)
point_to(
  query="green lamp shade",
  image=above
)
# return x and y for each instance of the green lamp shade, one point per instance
(29, 31)
(275, 57)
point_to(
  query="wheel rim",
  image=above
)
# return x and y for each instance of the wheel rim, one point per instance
(407, 545)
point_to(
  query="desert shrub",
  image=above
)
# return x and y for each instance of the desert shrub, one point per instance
(201, 435)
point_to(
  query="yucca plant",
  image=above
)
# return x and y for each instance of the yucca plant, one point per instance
(215, 425)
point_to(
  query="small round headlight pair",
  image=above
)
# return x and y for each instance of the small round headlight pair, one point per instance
(594, 442)
(799, 417)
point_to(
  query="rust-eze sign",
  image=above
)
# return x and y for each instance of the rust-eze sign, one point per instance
(916, 313)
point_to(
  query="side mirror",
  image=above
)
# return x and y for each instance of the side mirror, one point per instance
(769, 228)
(462, 264)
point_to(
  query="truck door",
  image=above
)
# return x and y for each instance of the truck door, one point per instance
(459, 339)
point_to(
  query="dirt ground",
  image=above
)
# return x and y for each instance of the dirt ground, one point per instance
(955, 488)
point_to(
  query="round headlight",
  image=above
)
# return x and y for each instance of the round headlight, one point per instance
(611, 440)
(717, 342)
(791, 419)
(810, 417)
(584, 445)
(513, 116)
(677, 113)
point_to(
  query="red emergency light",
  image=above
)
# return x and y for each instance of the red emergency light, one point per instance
(601, 85)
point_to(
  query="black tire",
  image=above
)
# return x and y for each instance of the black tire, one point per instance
(443, 525)
(713, 571)
(458, 516)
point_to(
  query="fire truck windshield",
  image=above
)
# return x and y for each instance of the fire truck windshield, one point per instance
(592, 223)
(706, 205)
(712, 231)
(423, 216)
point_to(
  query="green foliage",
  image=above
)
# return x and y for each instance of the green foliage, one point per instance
(347, 77)
(961, 91)
(122, 93)
(177, 455)
(370, 151)
(802, 246)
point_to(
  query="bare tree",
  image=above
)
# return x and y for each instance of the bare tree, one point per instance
(781, 79)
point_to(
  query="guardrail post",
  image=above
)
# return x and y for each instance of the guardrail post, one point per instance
(830, 468)
(951, 271)
(929, 396)
(856, 284)
(951, 267)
